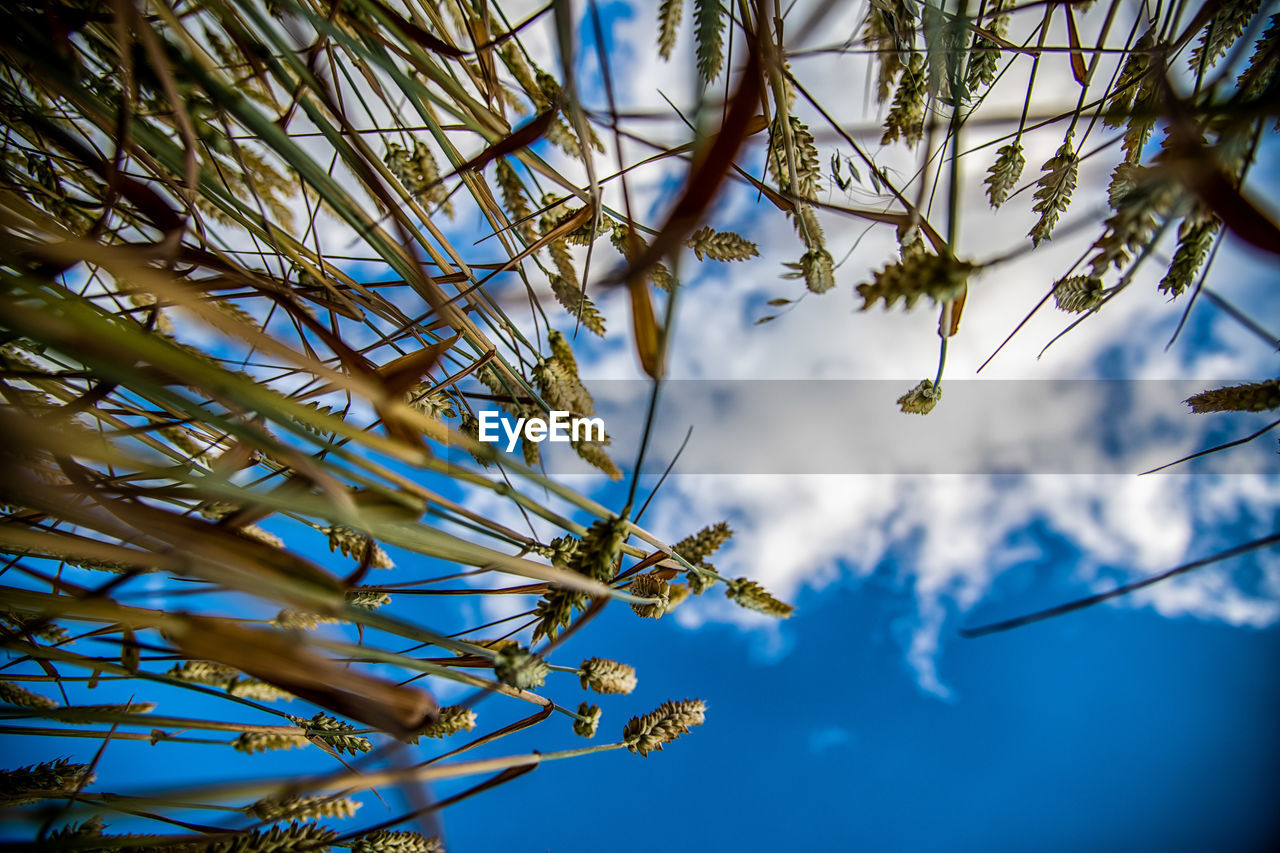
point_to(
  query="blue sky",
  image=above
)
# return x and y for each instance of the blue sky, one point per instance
(1114, 729)
(866, 722)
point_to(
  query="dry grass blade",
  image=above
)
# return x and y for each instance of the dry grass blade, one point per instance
(283, 661)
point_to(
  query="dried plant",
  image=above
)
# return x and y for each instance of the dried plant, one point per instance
(607, 676)
(1054, 189)
(643, 735)
(1250, 397)
(921, 399)
(1078, 293)
(588, 720)
(244, 349)
(752, 596)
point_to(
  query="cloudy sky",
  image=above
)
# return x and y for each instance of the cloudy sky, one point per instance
(809, 532)
(866, 721)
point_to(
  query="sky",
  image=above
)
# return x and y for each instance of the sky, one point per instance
(866, 721)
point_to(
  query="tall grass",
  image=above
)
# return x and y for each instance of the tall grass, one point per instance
(247, 313)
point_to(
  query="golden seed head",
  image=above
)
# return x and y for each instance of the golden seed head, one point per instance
(906, 117)
(751, 595)
(1005, 173)
(335, 733)
(663, 725)
(1226, 26)
(1053, 190)
(299, 807)
(521, 668)
(721, 245)
(93, 713)
(577, 304)
(91, 828)
(299, 620)
(916, 274)
(606, 676)
(594, 454)
(259, 691)
(251, 742)
(368, 599)
(559, 551)
(36, 626)
(1141, 199)
(1250, 397)
(597, 554)
(669, 14)
(704, 543)
(418, 172)
(396, 841)
(436, 406)
(36, 781)
(352, 543)
(16, 694)
(708, 24)
(1255, 79)
(555, 610)
(281, 839)
(1195, 237)
(589, 720)
(453, 719)
(1079, 293)
(650, 586)
(257, 534)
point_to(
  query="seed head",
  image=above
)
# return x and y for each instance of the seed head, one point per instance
(1195, 237)
(704, 543)
(555, 610)
(259, 691)
(906, 116)
(921, 399)
(299, 620)
(453, 719)
(721, 245)
(335, 733)
(352, 543)
(396, 841)
(16, 694)
(1053, 190)
(752, 596)
(597, 554)
(1005, 172)
(283, 839)
(587, 727)
(918, 273)
(299, 807)
(368, 599)
(37, 781)
(1079, 293)
(650, 586)
(251, 742)
(607, 676)
(521, 668)
(1250, 397)
(671, 719)
(579, 306)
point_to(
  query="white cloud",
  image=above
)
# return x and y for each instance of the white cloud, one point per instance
(947, 537)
